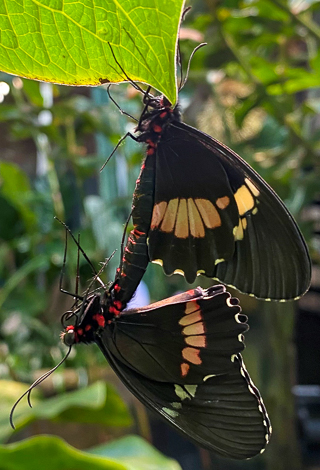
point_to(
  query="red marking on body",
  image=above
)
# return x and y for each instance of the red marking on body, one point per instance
(190, 292)
(88, 327)
(118, 270)
(157, 128)
(150, 151)
(163, 114)
(184, 369)
(99, 319)
(150, 143)
(118, 304)
(80, 331)
(137, 232)
(117, 288)
(70, 328)
(114, 310)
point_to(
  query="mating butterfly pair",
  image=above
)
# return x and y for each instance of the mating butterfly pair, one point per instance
(197, 208)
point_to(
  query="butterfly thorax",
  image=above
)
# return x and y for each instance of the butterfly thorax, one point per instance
(93, 316)
(159, 114)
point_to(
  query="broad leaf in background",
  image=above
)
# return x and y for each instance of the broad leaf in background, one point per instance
(57, 455)
(68, 42)
(136, 453)
(98, 403)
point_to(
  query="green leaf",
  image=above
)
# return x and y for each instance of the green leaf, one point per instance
(10, 392)
(130, 453)
(52, 453)
(98, 403)
(37, 263)
(68, 42)
(136, 454)
(15, 186)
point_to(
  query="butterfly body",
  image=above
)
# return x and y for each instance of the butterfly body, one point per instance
(203, 210)
(181, 357)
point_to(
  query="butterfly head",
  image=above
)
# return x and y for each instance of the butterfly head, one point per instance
(85, 320)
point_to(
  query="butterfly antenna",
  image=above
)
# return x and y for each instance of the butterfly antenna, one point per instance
(184, 14)
(189, 63)
(135, 85)
(116, 104)
(83, 252)
(75, 295)
(179, 64)
(35, 383)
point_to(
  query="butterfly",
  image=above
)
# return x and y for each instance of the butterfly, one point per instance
(199, 208)
(181, 357)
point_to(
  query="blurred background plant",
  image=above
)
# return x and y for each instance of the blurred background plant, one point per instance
(256, 88)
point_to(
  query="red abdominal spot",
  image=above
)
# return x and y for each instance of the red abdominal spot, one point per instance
(99, 319)
(114, 311)
(88, 327)
(150, 143)
(150, 151)
(137, 233)
(117, 304)
(157, 128)
(117, 288)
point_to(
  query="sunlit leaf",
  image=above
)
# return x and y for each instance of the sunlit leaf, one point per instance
(68, 42)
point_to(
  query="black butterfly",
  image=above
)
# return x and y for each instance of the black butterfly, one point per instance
(181, 357)
(203, 210)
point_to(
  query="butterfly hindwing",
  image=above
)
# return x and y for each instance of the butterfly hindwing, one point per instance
(225, 414)
(180, 338)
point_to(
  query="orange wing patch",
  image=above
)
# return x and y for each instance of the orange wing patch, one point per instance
(182, 227)
(209, 213)
(194, 336)
(255, 191)
(223, 202)
(169, 218)
(158, 213)
(244, 200)
(187, 217)
(195, 222)
(192, 355)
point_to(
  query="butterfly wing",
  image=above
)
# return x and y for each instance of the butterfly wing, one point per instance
(214, 215)
(181, 358)
(185, 337)
(224, 414)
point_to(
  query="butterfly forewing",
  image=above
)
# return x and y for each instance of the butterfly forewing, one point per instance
(214, 215)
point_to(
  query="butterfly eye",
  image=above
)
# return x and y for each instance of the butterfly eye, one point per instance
(69, 337)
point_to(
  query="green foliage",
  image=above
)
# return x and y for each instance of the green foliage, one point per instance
(131, 453)
(69, 43)
(98, 403)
